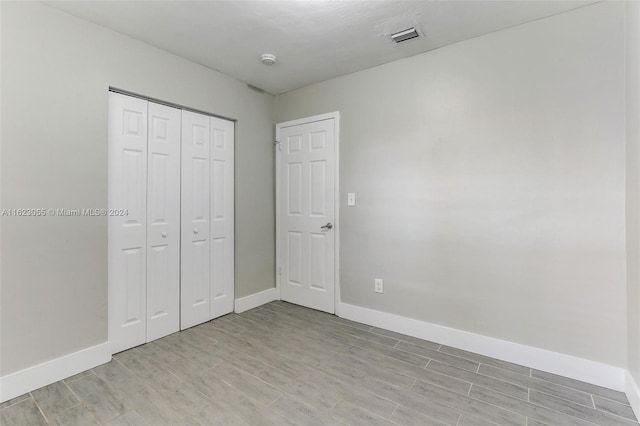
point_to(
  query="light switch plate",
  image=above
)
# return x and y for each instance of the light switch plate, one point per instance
(351, 199)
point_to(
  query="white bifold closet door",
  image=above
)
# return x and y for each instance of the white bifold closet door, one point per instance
(163, 221)
(222, 210)
(144, 221)
(195, 299)
(171, 252)
(127, 233)
(207, 219)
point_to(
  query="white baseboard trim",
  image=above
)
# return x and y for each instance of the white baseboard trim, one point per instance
(633, 393)
(32, 378)
(254, 300)
(553, 362)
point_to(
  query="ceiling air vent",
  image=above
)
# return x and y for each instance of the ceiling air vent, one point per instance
(405, 35)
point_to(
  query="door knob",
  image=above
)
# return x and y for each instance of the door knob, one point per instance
(195, 230)
(164, 234)
(327, 226)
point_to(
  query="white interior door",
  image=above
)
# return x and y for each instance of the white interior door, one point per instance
(306, 235)
(222, 210)
(195, 255)
(127, 156)
(163, 221)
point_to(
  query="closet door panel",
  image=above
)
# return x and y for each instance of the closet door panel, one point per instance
(163, 221)
(222, 212)
(195, 220)
(127, 253)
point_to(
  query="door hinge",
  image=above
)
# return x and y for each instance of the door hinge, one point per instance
(277, 143)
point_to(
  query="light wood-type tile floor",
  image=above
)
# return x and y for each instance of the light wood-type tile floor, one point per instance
(282, 364)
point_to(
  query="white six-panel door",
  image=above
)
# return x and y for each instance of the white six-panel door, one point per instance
(163, 221)
(222, 227)
(195, 286)
(127, 156)
(307, 214)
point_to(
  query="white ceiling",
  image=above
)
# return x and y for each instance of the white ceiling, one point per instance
(313, 40)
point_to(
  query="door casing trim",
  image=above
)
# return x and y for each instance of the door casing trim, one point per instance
(335, 115)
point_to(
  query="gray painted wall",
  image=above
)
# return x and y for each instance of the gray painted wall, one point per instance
(490, 183)
(633, 184)
(56, 71)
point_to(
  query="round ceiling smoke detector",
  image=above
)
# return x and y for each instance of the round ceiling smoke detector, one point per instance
(268, 59)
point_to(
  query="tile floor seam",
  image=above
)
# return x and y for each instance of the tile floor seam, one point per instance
(481, 386)
(280, 391)
(413, 384)
(482, 402)
(394, 410)
(444, 362)
(611, 400)
(550, 409)
(79, 401)
(533, 403)
(575, 389)
(40, 410)
(368, 411)
(608, 412)
(563, 414)
(512, 382)
(275, 400)
(88, 411)
(412, 353)
(249, 396)
(19, 401)
(510, 372)
(450, 377)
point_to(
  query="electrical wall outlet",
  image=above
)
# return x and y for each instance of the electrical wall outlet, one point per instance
(378, 285)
